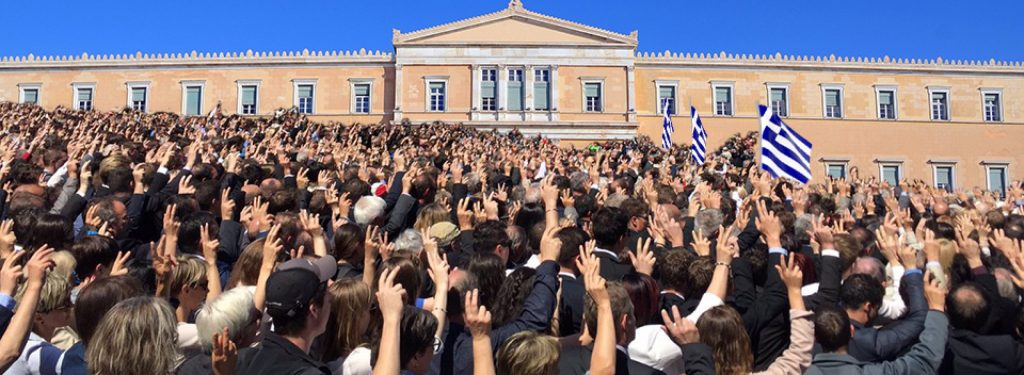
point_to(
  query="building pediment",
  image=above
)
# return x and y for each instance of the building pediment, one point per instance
(514, 26)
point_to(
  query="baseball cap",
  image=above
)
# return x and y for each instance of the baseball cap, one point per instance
(291, 288)
(444, 233)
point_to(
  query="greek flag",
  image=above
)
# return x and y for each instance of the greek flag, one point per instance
(698, 149)
(666, 128)
(784, 153)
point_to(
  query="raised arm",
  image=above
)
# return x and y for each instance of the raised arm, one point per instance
(797, 358)
(14, 337)
(210, 246)
(389, 297)
(602, 361)
(478, 320)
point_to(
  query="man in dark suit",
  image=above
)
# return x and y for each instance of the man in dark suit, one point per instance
(575, 356)
(610, 227)
(861, 295)
(969, 351)
(570, 305)
(673, 275)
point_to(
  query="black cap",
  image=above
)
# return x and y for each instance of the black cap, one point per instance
(291, 288)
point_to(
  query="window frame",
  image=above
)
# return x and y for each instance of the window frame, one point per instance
(1006, 176)
(952, 174)
(30, 86)
(999, 94)
(259, 88)
(600, 92)
(296, 100)
(74, 95)
(931, 109)
(732, 97)
(444, 95)
(830, 163)
(785, 88)
(485, 105)
(510, 74)
(353, 106)
(132, 85)
(892, 163)
(895, 102)
(658, 84)
(825, 88)
(547, 92)
(184, 95)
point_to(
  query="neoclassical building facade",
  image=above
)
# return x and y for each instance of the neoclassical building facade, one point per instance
(955, 123)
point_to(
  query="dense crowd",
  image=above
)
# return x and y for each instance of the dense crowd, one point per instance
(138, 243)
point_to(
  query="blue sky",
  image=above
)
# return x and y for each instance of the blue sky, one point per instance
(870, 28)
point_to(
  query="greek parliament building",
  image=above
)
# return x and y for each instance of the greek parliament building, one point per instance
(955, 123)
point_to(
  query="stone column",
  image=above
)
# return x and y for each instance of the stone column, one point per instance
(502, 88)
(631, 94)
(527, 87)
(398, 93)
(554, 87)
(475, 105)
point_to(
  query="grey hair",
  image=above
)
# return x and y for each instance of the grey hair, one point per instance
(410, 240)
(870, 266)
(803, 224)
(472, 181)
(708, 220)
(532, 194)
(578, 181)
(233, 309)
(367, 209)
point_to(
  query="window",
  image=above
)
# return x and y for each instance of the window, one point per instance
(944, 177)
(940, 105)
(886, 103)
(515, 89)
(592, 97)
(667, 98)
(84, 97)
(304, 94)
(996, 179)
(361, 93)
(890, 173)
(193, 100)
(437, 95)
(488, 90)
(29, 93)
(993, 105)
(833, 97)
(541, 91)
(137, 98)
(249, 96)
(779, 97)
(723, 100)
(836, 170)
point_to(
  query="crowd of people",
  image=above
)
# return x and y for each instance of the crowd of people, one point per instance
(138, 243)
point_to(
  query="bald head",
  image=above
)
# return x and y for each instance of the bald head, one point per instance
(270, 186)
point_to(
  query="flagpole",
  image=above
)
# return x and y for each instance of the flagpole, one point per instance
(689, 155)
(760, 135)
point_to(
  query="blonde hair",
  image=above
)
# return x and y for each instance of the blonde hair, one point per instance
(528, 353)
(56, 291)
(190, 271)
(139, 336)
(431, 214)
(349, 299)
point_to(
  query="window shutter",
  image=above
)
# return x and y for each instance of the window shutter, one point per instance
(722, 94)
(248, 95)
(885, 97)
(84, 94)
(305, 91)
(32, 96)
(832, 97)
(437, 85)
(540, 95)
(592, 90)
(778, 95)
(138, 94)
(991, 98)
(667, 92)
(192, 100)
(515, 96)
(487, 89)
(362, 90)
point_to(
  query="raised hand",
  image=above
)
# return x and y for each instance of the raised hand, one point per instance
(119, 268)
(40, 262)
(701, 245)
(681, 330)
(227, 205)
(185, 186)
(11, 273)
(644, 259)
(224, 355)
(390, 296)
(476, 316)
(769, 225)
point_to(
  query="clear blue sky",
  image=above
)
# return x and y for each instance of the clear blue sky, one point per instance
(913, 29)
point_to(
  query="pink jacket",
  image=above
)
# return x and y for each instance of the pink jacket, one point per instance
(797, 358)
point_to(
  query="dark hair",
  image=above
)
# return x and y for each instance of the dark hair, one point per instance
(700, 272)
(859, 289)
(968, 307)
(610, 225)
(633, 207)
(95, 299)
(282, 201)
(489, 235)
(509, 301)
(417, 332)
(571, 238)
(91, 251)
(643, 292)
(408, 275)
(119, 180)
(348, 243)
(189, 233)
(673, 270)
(355, 188)
(53, 230)
(486, 273)
(831, 328)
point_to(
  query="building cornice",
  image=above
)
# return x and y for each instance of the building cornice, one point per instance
(194, 58)
(722, 59)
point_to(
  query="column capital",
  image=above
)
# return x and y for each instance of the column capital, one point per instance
(501, 66)
(398, 66)
(630, 68)
(554, 67)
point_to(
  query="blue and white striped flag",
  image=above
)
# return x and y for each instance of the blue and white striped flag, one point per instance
(784, 153)
(698, 149)
(666, 128)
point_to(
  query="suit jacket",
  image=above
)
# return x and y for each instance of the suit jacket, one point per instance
(766, 320)
(575, 360)
(613, 268)
(873, 345)
(923, 358)
(698, 359)
(570, 306)
(971, 353)
(828, 288)
(668, 299)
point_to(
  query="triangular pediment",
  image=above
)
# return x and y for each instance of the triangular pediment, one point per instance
(515, 26)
